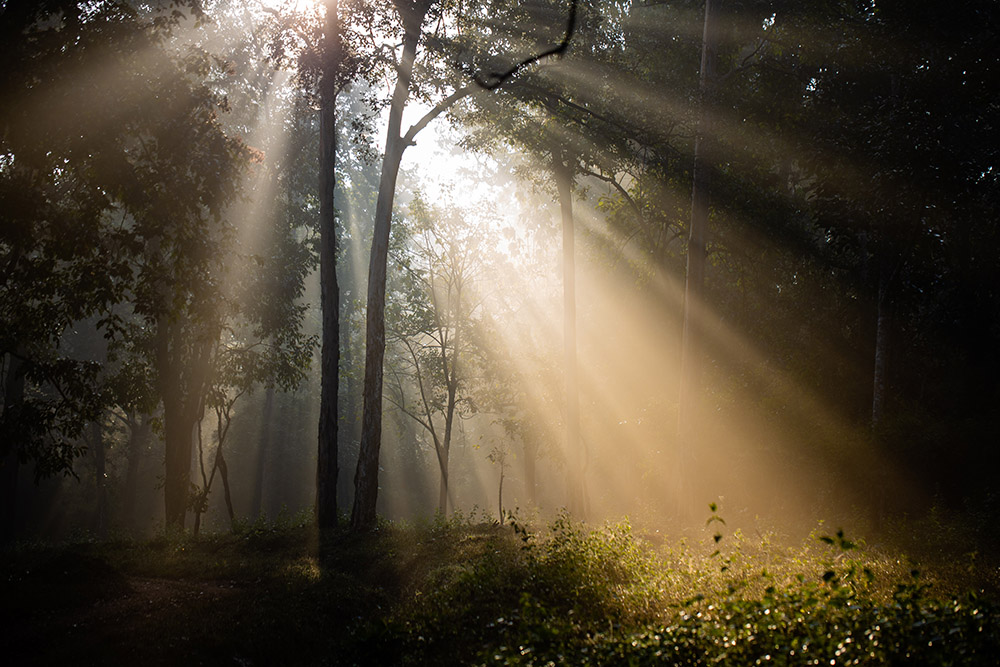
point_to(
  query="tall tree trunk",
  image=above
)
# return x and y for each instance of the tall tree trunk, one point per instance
(182, 386)
(326, 466)
(449, 421)
(226, 492)
(574, 450)
(263, 453)
(443, 488)
(366, 476)
(694, 303)
(13, 400)
(500, 493)
(178, 440)
(450, 371)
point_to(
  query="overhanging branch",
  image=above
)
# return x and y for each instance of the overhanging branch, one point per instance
(496, 79)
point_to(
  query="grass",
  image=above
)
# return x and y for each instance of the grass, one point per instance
(468, 592)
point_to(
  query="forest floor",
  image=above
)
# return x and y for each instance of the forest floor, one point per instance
(462, 592)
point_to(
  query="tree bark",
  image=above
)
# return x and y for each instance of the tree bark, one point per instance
(443, 488)
(326, 467)
(451, 379)
(689, 391)
(449, 420)
(574, 450)
(500, 494)
(226, 492)
(366, 477)
(178, 443)
(181, 379)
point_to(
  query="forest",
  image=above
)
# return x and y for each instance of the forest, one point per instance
(525, 332)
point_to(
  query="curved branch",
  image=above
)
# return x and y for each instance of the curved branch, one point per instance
(497, 79)
(438, 109)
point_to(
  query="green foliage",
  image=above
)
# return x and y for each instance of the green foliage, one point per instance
(837, 617)
(460, 591)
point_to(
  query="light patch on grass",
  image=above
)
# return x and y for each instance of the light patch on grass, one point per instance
(306, 568)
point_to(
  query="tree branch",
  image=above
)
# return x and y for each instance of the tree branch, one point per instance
(288, 24)
(745, 63)
(438, 109)
(497, 79)
(622, 191)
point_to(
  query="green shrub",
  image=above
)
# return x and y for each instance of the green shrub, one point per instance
(840, 614)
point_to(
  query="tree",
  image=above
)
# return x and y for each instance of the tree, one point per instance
(562, 171)
(433, 324)
(411, 15)
(327, 468)
(694, 299)
(112, 189)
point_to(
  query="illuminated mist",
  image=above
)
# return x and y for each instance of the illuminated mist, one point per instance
(782, 436)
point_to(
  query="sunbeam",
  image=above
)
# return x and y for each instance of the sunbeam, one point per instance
(526, 332)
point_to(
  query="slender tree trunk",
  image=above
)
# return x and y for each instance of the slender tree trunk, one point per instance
(13, 400)
(694, 302)
(263, 453)
(443, 488)
(366, 476)
(500, 494)
(226, 492)
(444, 498)
(574, 449)
(451, 378)
(327, 468)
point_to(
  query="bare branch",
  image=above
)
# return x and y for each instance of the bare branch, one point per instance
(496, 79)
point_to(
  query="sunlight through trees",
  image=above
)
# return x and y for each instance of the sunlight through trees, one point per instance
(639, 256)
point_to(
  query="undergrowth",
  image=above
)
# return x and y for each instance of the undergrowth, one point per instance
(576, 595)
(467, 590)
